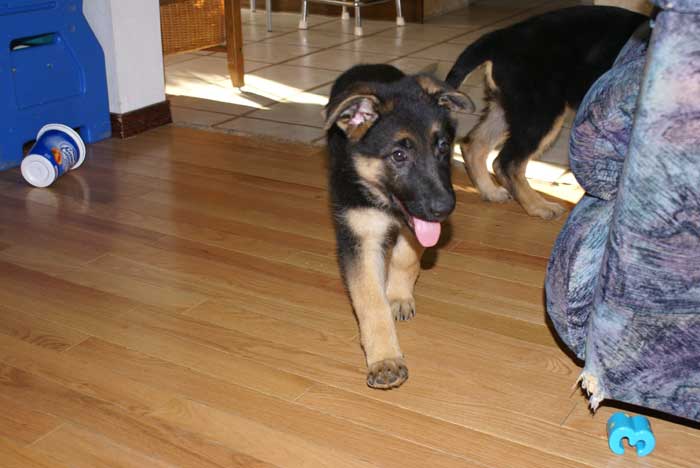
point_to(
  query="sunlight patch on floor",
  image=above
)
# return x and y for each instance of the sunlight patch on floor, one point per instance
(213, 91)
(207, 87)
(551, 179)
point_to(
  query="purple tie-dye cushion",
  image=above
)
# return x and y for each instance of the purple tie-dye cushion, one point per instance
(623, 281)
(602, 129)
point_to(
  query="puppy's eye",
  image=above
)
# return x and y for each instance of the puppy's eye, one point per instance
(399, 155)
(443, 146)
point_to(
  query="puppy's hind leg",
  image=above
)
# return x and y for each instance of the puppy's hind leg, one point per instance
(404, 267)
(365, 271)
(488, 133)
(521, 146)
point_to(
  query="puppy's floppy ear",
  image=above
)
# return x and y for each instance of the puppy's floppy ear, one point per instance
(445, 95)
(354, 113)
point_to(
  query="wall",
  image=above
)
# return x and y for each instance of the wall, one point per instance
(642, 6)
(129, 32)
(438, 7)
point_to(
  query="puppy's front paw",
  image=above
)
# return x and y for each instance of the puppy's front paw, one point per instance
(498, 195)
(386, 374)
(403, 309)
(547, 210)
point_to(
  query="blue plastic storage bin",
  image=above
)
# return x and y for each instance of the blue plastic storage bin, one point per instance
(52, 70)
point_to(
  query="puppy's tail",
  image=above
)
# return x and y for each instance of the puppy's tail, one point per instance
(472, 57)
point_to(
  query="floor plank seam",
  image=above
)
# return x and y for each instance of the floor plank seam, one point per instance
(43, 436)
(99, 257)
(456, 302)
(232, 171)
(487, 331)
(489, 275)
(210, 374)
(65, 325)
(262, 363)
(412, 441)
(87, 337)
(568, 415)
(296, 400)
(270, 316)
(186, 311)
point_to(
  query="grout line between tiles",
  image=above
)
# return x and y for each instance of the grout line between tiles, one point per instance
(271, 120)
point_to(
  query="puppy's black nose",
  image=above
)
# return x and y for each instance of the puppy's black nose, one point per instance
(442, 207)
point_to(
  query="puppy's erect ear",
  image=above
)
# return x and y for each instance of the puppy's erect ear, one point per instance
(354, 114)
(457, 102)
(445, 95)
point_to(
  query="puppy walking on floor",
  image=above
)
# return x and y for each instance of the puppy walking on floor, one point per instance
(390, 139)
(535, 70)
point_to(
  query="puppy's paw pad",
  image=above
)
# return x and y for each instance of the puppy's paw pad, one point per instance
(403, 309)
(497, 195)
(548, 210)
(386, 374)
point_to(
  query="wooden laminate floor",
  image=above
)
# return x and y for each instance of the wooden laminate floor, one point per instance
(175, 302)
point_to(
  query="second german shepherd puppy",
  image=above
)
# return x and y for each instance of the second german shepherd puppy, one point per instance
(535, 70)
(390, 139)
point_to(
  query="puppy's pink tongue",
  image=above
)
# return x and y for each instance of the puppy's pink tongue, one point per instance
(427, 233)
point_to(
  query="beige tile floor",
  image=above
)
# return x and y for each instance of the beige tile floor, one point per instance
(289, 72)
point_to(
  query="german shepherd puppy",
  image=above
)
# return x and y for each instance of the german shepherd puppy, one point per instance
(390, 139)
(535, 70)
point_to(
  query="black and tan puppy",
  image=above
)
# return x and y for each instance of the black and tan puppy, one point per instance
(535, 70)
(390, 140)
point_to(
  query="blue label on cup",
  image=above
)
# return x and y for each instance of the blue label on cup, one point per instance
(59, 148)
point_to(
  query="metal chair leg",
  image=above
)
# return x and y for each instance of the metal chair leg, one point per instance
(345, 15)
(252, 6)
(304, 8)
(358, 20)
(399, 15)
(268, 13)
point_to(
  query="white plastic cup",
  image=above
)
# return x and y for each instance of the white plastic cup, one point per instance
(58, 149)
